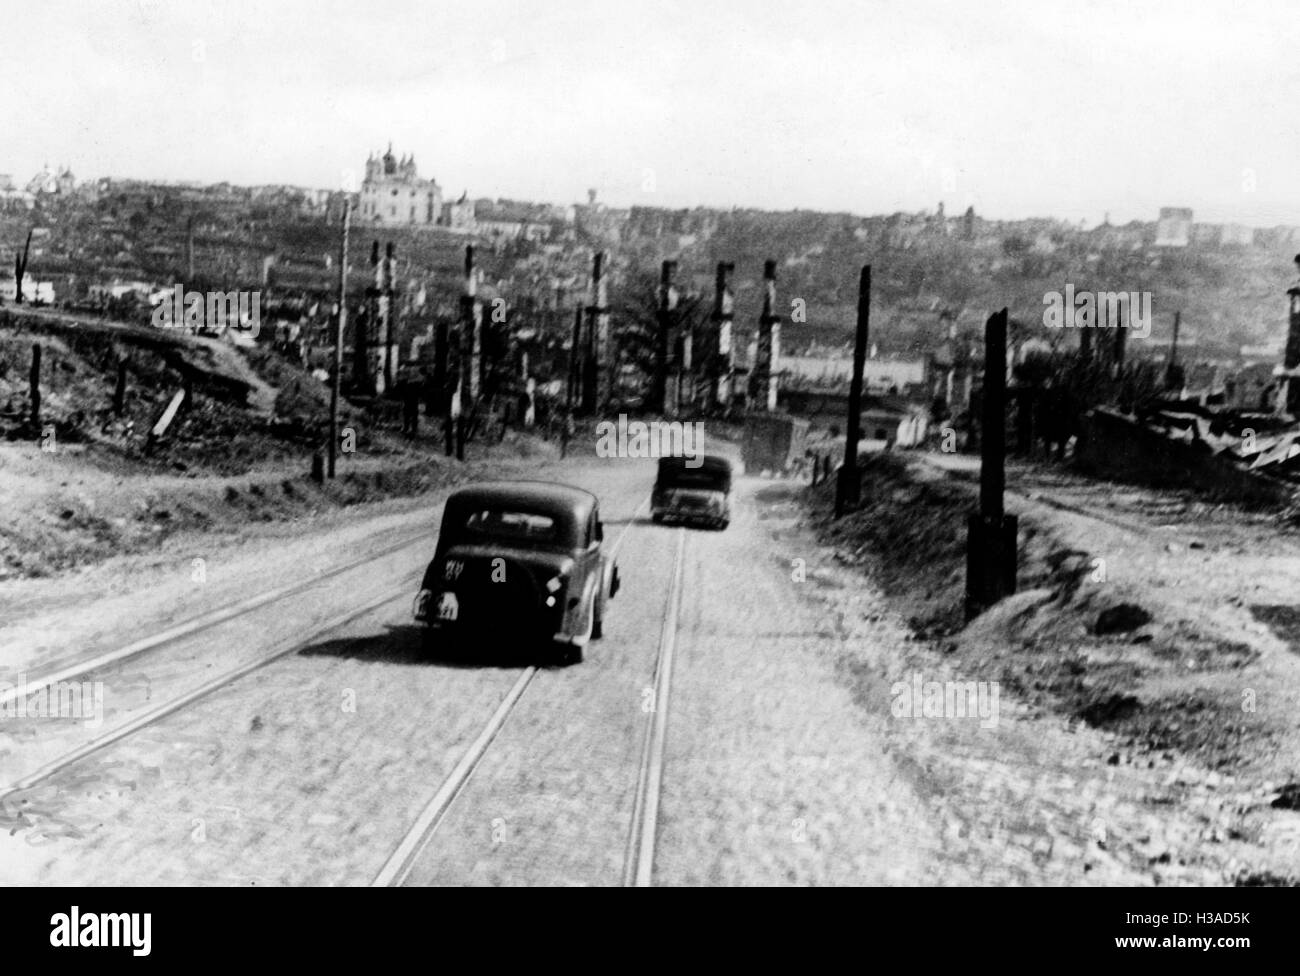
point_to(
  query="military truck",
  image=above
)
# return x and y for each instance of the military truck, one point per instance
(774, 443)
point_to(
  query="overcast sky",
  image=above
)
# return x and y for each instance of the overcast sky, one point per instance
(1070, 109)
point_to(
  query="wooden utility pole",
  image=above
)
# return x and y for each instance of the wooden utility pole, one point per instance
(1288, 400)
(34, 385)
(991, 555)
(449, 391)
(993, 459)
(362, 374)
(665, 320)
(388, 313)
(472, 335)
(685, 354)
(576, 360)
(20, 269)
(340, 322)
(598, 370)
(1121, 338)
(721, 366)
(848, 489)
(438, 386)
(471, 351)
(119, 388)
(1171, 370)
(763, 380)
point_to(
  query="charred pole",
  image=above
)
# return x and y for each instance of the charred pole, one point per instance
(992, 458)
(576, 360)
(119, 386)
(666, 316)
(387, 312)
(722, 361)
(1171, 370)
(598, 371)
(20, 269)
(991, 554)
(34, 387)
(848, 489)
(362, 376)
(1289, 398)
(471, 351)
(336, 358)
(1121, 337)
(684, 351)
(762, 383)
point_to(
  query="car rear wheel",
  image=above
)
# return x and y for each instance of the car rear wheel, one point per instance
(444, 645)
(574, 651)
(429, 642)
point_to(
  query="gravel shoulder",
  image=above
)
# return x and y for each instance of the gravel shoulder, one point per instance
(1136, 626)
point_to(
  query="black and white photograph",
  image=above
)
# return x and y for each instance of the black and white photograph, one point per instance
(734, 443)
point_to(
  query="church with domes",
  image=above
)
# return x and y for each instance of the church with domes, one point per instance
(394, 194)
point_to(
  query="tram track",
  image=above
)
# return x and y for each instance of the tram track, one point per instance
(401, 863)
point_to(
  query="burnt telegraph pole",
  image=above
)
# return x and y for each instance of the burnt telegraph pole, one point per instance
(1289, 375)
(576, 361)
(340, 322)
(848, 489)
(666, 318)
(387, 313)
(721, 362)
(991, 555)
(1172, 370)
(763, 382)
(471, 351)
(598, 371)
(363, 379)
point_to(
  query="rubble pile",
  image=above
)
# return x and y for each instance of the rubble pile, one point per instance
(1263, 443)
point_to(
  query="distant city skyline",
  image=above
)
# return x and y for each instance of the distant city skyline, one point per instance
(1056, 110)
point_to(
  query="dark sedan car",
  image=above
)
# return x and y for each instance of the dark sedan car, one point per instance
(696, 491)
(519, 562)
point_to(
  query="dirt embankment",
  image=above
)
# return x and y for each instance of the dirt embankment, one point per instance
(84, 483)
(106, 384)
(74, 507)
(1167, 635)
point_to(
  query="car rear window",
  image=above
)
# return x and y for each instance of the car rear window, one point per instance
(708, 477)
(502, 523)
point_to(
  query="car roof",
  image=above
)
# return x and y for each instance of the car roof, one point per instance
(541, 495)
(713, 463)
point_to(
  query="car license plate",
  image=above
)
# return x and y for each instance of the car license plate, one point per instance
(448, 607)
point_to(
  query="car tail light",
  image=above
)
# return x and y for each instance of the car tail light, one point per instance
(553, 587)
(421, 607)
